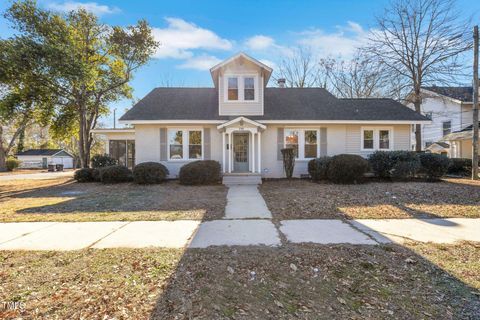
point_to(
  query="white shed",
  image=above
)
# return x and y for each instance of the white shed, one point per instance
(41, 158)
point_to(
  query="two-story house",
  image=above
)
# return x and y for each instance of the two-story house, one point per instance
(243, 124)
(450, 109)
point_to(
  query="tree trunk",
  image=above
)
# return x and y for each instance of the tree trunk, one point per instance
(3, 154)
(417, 102)
(3, 162)
(81, 137)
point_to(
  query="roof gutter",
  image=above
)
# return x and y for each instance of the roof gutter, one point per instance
(278, 121)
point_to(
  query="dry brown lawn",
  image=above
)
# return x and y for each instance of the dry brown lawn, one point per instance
(66, 200)
(303, 199)
(292, 282)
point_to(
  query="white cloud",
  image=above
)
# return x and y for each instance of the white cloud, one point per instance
(92, 7)
(180, 37)
(259, 42)
(202, 62)
(343, 42)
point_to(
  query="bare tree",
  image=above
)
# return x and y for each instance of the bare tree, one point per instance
(356, 78)
(420, 40)
(300, 69)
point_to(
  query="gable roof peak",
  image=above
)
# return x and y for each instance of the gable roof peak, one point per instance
(266, 70)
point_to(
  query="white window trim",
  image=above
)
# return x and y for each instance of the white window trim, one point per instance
(185, 144)
(241, 87)
(301, 141)
(376, 138)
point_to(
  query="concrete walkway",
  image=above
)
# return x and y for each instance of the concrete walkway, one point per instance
(424, 230)
(183, 233)
(36, 176)
(246, 202)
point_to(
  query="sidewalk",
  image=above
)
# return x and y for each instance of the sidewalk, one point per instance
(196, 234)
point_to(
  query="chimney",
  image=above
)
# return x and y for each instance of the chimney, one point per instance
(281, 83)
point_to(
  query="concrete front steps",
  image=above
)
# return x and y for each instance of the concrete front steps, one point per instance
(242, 179)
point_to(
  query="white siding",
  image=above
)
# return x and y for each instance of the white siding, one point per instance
(147, 145)
(443, 109)
(340, 139)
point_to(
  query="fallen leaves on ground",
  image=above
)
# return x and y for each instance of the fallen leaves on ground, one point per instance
(303, 199)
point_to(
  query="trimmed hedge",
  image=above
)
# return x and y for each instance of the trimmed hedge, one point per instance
(115, 174)
(149, 173)
(347, 168)
(86, 175)
(317, 168)
(12, 163)
(394, 164)
(102, 161)
(460, 166)
(200, 172)
(434, 166)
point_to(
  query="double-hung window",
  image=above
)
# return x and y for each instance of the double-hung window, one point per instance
(232, 88)
(241, 88)
(303, 141)
(249, 88)
(185, 144)
(376, 139)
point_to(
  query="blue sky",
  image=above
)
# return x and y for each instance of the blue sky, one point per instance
(197, 34)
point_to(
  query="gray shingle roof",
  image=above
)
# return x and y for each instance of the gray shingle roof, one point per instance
(463, 94)
(279, 104)
(39, 152)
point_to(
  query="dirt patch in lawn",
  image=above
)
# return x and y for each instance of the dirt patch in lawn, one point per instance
(66, 200)
(303, 199)
(297, 281)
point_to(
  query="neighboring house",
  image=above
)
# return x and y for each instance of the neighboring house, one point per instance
(449, 108)
(41, 158)
(243, 124)
(461, 143)
(438, 147)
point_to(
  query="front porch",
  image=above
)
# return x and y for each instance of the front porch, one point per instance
(241, 151)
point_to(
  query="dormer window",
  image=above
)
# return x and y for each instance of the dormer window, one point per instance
(232, 88)
(249, 88)
(241, 88)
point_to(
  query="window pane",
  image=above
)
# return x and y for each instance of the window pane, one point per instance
(291, 140)
(368, 139)
(249, 89)
(176, 152)
(130, 153)
(232, 88)
(310, 151)
(195, 151)
(122, 152)
(310, 144)
(311, 136)
(195, 144)
(447, 127)
(175, 140)
(175, 137)
(291, 137)
(384, 139)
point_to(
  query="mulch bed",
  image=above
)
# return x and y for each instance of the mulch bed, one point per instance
(303, 199)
